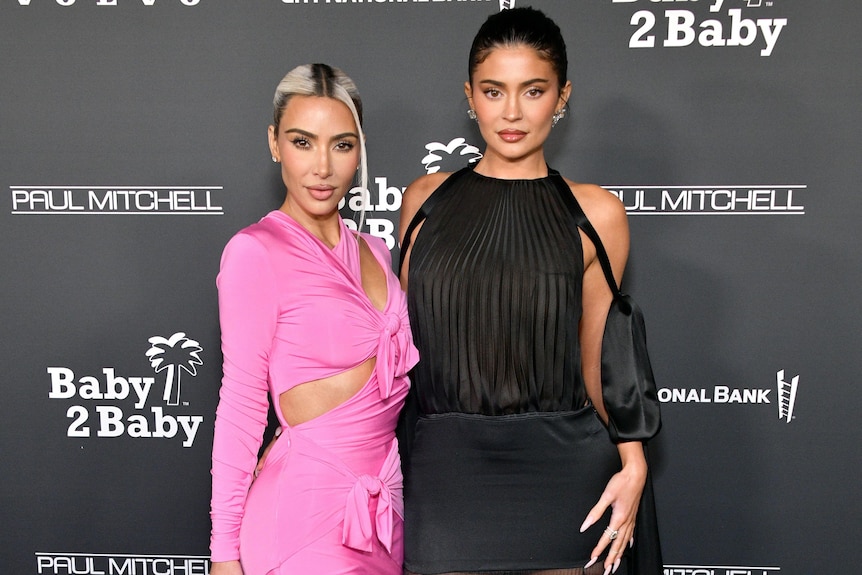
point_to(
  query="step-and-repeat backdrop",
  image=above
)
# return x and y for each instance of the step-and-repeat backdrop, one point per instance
(133, 145)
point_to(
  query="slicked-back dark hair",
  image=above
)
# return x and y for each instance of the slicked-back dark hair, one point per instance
(521, 27)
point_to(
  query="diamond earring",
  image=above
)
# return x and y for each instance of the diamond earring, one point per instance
(471, 113)
(558, 116)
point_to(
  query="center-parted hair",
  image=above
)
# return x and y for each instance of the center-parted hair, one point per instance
(324, 81)
(521, 27)
(319, 80)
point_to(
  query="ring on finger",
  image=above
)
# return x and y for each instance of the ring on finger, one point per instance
(611, 533)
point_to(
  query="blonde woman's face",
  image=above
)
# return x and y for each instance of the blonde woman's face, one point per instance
(317, 144)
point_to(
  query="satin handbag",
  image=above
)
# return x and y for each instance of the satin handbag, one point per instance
(628, 386)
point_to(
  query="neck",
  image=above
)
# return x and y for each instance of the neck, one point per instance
(325, 228)
(528, 168)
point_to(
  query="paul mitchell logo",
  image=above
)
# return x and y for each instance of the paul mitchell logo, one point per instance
(719, 570)
(119, 564)
(786, 395)
(118, 402)
(116, 200)
(506, 4)
(681, 27)
(737, 200)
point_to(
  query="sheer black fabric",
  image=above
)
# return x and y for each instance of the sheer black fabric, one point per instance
(495, 300)
(502, 459)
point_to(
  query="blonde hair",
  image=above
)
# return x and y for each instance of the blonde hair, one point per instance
(325, 81)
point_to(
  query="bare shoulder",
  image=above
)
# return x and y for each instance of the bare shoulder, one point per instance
(418, 191)
(604, 210)
(416, 194)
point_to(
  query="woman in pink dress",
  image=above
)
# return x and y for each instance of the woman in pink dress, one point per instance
(313, 319)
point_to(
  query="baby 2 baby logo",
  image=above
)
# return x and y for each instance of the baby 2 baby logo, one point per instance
(115, 405)
(680, 23)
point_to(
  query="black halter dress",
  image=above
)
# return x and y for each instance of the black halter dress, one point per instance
(504, 464)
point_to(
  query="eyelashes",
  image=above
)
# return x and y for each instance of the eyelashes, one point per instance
(305, 144)
(494, 93)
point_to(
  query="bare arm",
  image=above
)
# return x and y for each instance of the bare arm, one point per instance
(608, 217)
(226, 568)
(414, 196)
(624, 490)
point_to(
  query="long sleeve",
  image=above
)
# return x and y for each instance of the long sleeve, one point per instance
(248, 313)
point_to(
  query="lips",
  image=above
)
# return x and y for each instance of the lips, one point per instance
(511, 136)
(321, 192)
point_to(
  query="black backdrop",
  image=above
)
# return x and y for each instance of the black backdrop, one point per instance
(133, 145)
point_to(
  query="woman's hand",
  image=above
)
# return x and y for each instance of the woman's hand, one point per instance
(259, 467)
(622, 494)
(226, 568)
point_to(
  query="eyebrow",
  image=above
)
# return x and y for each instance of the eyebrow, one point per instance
(527, 83)
(311, 136)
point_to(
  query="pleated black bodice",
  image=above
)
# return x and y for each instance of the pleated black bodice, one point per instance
(495, 300)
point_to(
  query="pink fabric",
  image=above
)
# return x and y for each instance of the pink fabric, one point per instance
(293, 311)
(358, 532)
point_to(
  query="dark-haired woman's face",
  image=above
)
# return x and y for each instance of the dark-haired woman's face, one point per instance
(515, 93)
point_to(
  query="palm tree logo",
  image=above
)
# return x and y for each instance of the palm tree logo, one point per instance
(175, 354)
(445, 156)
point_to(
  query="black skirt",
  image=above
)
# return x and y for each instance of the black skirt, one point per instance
(505, 493)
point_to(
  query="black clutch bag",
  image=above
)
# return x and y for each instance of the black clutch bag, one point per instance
(628, 386)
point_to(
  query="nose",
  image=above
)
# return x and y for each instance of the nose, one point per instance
(323, 165)
(513, 108)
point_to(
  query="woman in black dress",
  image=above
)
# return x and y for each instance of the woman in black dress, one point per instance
(507, 302)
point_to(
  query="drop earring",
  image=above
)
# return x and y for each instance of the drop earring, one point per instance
(558, 116)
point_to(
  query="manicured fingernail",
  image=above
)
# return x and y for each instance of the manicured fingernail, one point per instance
(590, 564)
(632, 542)
(608, 570)
(616, 565)
(585, 525)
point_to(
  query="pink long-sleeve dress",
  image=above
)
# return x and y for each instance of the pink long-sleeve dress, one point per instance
(329, 498)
